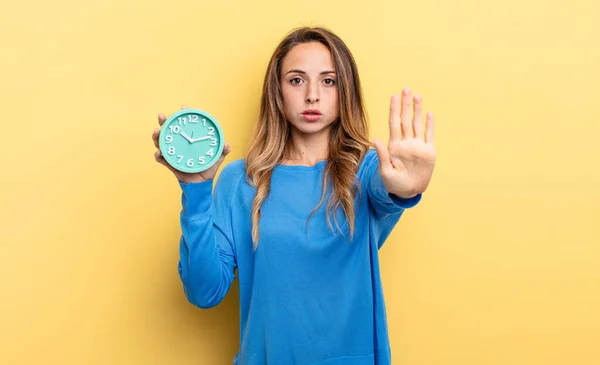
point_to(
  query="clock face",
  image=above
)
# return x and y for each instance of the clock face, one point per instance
(191, 140)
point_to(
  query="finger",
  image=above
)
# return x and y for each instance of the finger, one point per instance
(405, 114)
(418, 116)
(395, 132)
(161, 160)
(155, 137)
(226, 151)
(161, 119)
(184, 106)
(158, 157)
(383, 154)
(429, 135)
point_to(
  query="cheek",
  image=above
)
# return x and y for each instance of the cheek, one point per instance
(335, 101)
(287, 97)
(290, 97)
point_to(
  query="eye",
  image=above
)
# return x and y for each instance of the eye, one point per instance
(296, 81)
(329, 82)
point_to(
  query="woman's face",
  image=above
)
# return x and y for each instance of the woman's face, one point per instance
(309, 88)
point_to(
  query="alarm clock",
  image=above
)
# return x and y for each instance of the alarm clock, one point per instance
(191, 140)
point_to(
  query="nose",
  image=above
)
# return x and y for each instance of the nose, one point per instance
(312, 94)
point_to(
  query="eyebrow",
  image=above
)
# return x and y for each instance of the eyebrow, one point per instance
(327, 72)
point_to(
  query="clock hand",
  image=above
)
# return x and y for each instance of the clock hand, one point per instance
(184, 135)
(200, 139)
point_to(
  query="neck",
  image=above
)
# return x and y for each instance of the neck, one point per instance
(307, 149)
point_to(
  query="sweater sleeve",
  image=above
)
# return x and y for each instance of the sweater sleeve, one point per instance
(207, 251)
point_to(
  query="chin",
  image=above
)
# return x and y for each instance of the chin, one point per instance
(310, 129)
(305, 127)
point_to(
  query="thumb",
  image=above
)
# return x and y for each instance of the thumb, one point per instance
(383, 155)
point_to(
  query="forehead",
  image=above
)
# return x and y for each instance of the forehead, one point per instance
(311, 57)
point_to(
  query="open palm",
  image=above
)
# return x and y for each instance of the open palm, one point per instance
(406, 164)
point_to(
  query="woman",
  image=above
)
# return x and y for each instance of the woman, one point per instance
(303, 216)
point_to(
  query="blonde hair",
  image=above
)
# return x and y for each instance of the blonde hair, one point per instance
(349, 133)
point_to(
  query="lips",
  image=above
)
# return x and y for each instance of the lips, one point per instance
(311, 117)
(311, 112)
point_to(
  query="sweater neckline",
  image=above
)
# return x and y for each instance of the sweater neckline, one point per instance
(318, 166)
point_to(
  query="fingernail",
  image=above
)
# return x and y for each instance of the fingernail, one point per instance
(406, 90)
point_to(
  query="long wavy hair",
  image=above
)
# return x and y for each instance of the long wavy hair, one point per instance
(349, 133)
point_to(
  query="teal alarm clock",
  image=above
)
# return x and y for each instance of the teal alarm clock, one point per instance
(191, 140)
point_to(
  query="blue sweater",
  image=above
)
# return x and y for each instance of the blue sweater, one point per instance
(308, 295)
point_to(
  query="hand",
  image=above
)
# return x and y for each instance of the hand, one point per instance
(406, 164)
(183, 176)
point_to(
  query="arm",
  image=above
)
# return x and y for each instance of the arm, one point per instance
(207, 256)
(207, 252)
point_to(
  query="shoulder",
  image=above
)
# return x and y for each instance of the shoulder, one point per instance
(231, 175)
(234, 168)
(370, 157)
(369, 161)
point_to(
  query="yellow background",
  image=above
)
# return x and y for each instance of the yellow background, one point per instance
(499, 264)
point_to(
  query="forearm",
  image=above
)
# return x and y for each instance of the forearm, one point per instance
(206, 263)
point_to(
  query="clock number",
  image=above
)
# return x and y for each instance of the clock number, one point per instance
(169, 139)
(203, 122)
(174, 128)
(193, 119)
(211, 131)
(190, 162)
(213, 142)
(201, 160)
(180, 158)
(171, 151)
(182, 120)
(210, 153)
